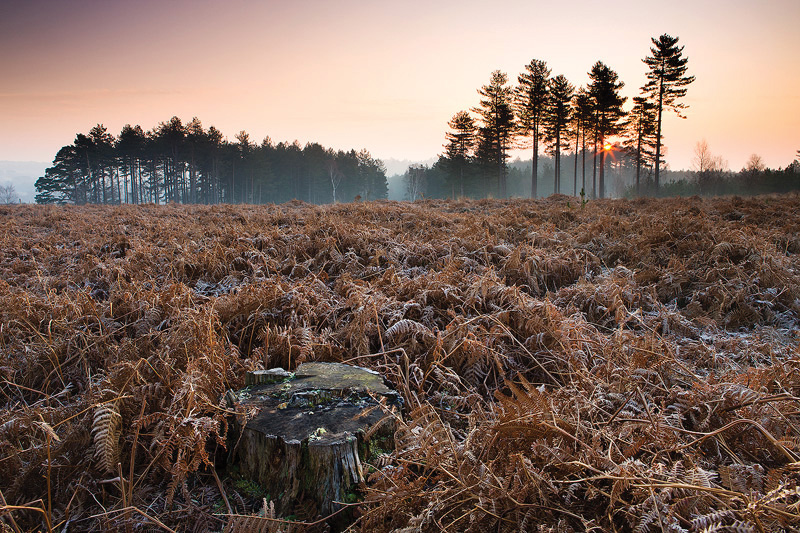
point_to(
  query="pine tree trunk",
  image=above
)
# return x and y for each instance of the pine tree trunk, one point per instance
(535, 169)
(594, 169)
(658, 132)
(638, 159)
(583, 162)
(558, 161)
(602, 178)
(575, 175)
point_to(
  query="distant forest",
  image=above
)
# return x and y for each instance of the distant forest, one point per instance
(438, 181)
(582, 142)
(185, 163)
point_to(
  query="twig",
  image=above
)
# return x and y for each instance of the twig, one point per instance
(133, 453)
(121, 397)
(10, 518)
(222, 490)
(39, 509)
(621, 407)
(156, 521)
(786, 453)
(514, 338)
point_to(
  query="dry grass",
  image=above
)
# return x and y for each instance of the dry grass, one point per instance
(629, 366)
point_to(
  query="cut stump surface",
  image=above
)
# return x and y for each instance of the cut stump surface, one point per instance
(303, 436)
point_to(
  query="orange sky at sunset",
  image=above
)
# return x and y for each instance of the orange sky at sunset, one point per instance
(386, 76)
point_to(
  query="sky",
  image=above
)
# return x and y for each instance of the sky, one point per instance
(381, 75)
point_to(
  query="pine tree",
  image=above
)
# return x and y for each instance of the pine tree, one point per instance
(667, 81)
(641, 135)
(496, 133)
(604, 89)
(62, 182)
(460, 145)
(531, 98)
(195, 138)
(371, 177)
(169, 141)
(214, 186)
(556, 121)
(100, 147)
(129, 147)
(583, 115)
(186, 164)
(245, 149)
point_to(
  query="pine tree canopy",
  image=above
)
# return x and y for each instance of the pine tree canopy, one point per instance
(666, 78)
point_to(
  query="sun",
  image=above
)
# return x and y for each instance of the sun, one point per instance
(607, 146)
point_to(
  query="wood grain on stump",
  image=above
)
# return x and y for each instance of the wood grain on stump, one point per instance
(303, 436)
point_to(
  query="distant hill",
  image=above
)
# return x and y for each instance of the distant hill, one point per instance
(22, 175)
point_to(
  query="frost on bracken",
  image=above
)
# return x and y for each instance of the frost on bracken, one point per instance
(624, 365)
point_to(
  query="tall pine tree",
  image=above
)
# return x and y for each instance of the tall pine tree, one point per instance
(130, 151)
(666, 82)
(496, 134)
(557, 118)
(641, 135)
(531, 106)
(604, 87)
(459, 147)
(583, 115)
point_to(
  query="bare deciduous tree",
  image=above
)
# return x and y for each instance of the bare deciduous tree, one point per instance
(415, 182)
(705, 161)
(335, 176)
(707, 167)
(754, 164)
(8, 195)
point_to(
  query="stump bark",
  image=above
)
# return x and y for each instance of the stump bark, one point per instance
(305, 436)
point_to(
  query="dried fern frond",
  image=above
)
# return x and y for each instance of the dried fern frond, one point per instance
(106, 430)
(261, 524)
(406, 327)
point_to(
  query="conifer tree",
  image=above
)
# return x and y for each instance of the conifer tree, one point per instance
(460, 145)
(497, 115)
(103, 147)
(531, 107)
(641, 135)
(186, 164)
(604, 89)
(666, 83)
(583, 114)
(195, 138)
(64, 181)
(168, 143)
(556, 122)
(130, 150)
(215, 146)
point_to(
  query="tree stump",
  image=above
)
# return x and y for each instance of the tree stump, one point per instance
(304, 436)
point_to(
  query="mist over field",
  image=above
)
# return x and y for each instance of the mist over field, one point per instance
(22, 175)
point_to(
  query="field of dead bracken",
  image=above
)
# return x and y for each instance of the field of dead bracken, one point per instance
(627, 365)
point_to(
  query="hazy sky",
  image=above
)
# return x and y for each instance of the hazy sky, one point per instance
(386, 76)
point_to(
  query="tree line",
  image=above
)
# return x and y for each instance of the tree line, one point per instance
(710, 176)
(547, 111)
(186, 163)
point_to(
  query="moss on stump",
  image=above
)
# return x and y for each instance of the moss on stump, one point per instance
(303, 436)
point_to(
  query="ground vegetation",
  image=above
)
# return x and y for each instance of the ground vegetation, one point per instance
(612, 365)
